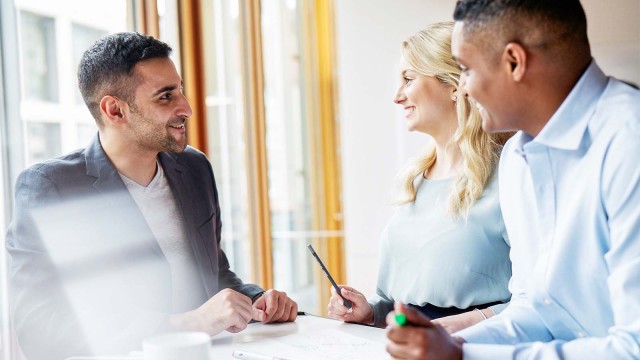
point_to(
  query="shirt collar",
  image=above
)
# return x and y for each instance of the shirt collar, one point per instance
(568, 124)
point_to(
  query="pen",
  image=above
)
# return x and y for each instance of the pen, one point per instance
(326, 272)
(241, 354)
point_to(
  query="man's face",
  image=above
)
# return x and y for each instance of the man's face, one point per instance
(159, 110)
(483, 80)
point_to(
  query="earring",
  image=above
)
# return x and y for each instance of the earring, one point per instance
(454, 98)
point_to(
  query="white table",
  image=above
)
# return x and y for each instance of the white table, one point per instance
(309, 337)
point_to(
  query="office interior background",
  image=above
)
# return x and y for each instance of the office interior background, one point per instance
(292, 104)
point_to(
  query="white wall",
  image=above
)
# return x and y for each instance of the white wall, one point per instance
(374, 141)
(614, 33)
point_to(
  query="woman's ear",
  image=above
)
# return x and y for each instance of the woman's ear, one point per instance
(112, 109)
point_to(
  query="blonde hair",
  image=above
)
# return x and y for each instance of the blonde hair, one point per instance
(428, 52)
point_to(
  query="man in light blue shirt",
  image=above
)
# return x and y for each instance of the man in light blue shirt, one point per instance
(569, 189)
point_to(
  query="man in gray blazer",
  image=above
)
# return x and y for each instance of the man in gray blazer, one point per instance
(120, 240)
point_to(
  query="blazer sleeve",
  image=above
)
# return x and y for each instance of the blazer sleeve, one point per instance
(40, 310)
(382, 305)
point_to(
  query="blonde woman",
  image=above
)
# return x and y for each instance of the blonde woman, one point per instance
(445, 249)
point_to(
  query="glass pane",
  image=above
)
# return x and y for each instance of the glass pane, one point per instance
(86, 132)
(39, 57)
(52, 42)
(288, 152)
(225, 127)
(43, 141)
(83, 37)
(169, 27)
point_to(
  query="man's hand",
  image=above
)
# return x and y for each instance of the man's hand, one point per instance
(361, 311)
(275, 306)
(420, 338)
(227, 310)
(462, 321)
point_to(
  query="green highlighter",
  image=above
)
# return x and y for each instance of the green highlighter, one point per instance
(401, 319)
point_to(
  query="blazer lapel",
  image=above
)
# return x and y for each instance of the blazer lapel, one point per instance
(116, 197)
(182, 187)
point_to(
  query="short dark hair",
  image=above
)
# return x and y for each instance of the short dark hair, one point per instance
(107, 67)
(515, 20)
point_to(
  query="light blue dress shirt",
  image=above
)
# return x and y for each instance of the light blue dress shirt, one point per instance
(571, 204)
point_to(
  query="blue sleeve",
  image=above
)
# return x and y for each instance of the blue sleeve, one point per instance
(519, 325)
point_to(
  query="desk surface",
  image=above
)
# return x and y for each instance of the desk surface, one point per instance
(309, 337)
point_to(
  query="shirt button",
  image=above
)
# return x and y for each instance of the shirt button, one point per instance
(580, 334)
(547, 301)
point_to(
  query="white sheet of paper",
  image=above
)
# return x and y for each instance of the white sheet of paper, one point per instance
(331, 344)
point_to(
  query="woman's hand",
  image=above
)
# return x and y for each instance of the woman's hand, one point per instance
(361, 311)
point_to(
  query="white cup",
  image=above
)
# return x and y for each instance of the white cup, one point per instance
(177, 346)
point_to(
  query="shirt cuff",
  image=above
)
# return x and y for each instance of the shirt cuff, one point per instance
(257, 296)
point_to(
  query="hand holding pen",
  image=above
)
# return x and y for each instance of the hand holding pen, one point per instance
(329, 277)
(361, 311)
(412, 335)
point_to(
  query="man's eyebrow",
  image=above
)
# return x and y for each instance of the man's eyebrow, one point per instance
(168, 88)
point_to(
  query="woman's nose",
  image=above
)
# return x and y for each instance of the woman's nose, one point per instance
(400, 97)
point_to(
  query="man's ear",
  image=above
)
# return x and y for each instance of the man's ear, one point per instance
(112, 109)
(515, 59)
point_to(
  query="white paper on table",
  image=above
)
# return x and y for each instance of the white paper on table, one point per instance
(331, 344)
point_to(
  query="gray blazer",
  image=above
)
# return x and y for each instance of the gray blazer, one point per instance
(87, 275)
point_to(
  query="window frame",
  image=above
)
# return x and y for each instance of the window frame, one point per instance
(11, 156)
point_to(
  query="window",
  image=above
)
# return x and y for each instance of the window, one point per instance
(168, 26)
(39, 57)
(289, 118)
(266, 137)
(10, 139)
(225, 127)
(52, 40)
(82, 38)
(44, 141)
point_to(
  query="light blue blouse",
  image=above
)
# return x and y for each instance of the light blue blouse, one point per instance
(430, 256)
